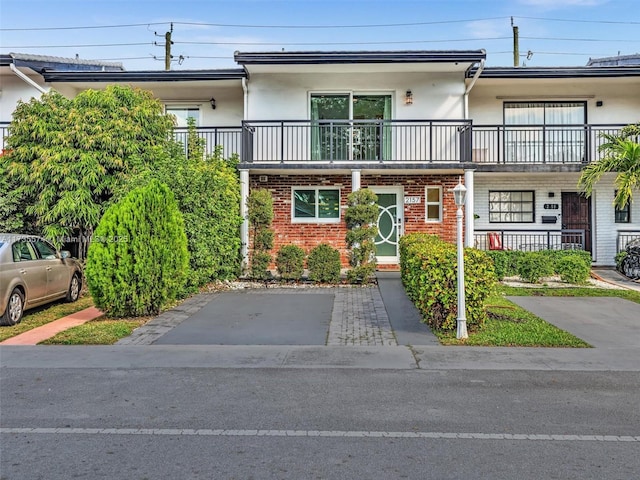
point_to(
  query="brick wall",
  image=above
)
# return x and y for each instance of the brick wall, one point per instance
(308, 235)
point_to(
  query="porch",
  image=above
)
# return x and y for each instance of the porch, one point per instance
(529, 240)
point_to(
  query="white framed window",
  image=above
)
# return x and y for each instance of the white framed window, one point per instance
(512, 206)
(433, 203)
(315, 205)
(183, 113)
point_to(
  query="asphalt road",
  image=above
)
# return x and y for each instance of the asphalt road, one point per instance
(288, 423)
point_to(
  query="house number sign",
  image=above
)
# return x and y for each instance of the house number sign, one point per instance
(411, 200)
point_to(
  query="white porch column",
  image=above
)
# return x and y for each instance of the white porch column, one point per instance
(244, 228)
(469, 209)
(355, 180)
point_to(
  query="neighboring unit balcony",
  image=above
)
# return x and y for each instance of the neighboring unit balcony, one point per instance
(229, 139)
(538, 145)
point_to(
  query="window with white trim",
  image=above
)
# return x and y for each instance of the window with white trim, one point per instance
(511, 206)
(433, 203)
(183, 113)
(315, 205)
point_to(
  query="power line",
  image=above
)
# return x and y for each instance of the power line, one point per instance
(374, 25)
(88, 27)
(346, 43)
(234, 25)
(573, 20)
(580, 39)
(80, 45)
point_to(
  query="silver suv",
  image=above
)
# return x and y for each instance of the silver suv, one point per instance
(32, 273)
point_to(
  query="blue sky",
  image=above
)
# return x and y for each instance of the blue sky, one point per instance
(603, 27)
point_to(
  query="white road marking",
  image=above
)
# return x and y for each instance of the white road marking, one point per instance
(319, 433)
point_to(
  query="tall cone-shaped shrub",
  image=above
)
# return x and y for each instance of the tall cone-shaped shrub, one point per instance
(138, 259)
(361, 216)
(260, 206)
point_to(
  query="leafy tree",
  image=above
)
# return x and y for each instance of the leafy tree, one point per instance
(207, 191)
(621, 156)
(138, 261)
(67, 156)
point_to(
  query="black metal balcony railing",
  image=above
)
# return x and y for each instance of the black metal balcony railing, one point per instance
(529, 240)
(544, 144)
(626, 236)
(402, 141)
(356, 140)
(228, 138)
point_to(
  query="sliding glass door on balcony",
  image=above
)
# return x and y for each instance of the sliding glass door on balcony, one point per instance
(544, 132)
(350, 127)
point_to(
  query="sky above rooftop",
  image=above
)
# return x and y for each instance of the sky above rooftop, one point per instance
(206, 33)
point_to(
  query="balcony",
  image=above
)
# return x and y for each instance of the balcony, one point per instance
(228, 138)
(356, 141)
(529, 240)
(408, 141)
(538, 145)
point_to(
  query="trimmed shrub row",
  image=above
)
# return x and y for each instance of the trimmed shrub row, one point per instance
(428, 268)
(323, 263)
(573, 266)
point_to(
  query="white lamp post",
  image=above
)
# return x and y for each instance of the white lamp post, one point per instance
(459, 195)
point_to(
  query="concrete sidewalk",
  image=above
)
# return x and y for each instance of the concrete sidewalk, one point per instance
(39, 334)
(421, 358)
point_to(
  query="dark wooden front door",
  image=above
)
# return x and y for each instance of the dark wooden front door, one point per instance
(576, 215)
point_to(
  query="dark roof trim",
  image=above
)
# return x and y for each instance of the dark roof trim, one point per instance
(319, 58)
(146, 76)
(557, 72)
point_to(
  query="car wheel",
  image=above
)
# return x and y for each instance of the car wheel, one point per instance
(74, 288)
(14, 310)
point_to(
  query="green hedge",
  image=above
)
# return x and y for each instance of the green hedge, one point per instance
(428, 268)
(573, 266)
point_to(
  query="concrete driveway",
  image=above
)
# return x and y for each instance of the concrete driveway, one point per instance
(600, 321)
(258, 317)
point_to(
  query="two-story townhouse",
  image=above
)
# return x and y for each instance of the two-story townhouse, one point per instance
(321, 125)
(21, 78)
(534, 129)
(314, 126)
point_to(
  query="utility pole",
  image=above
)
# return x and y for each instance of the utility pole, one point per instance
(167, 47)
(516, 46)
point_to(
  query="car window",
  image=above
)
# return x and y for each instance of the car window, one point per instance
(23, 251)
(45, 250)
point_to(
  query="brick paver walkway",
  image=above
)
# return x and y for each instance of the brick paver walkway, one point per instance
(359, 318)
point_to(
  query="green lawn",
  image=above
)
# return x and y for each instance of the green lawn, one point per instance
(45, 314)
(509, 325)
(101, 331)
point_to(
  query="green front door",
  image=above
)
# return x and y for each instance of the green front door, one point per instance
(389, 224)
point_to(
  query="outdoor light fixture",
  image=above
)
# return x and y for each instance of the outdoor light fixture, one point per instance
(408, 98)
(213, 103)
(459, 196)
